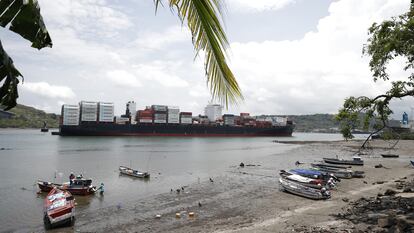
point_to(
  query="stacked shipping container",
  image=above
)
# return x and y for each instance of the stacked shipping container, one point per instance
(88, 111)
(106, 112)
(160, 114)
(186, 118)
(173, 115)
(228, 119)
(70, 114)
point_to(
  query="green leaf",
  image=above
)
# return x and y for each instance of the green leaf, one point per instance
(25, 19)
(8, 73)
(203, 18)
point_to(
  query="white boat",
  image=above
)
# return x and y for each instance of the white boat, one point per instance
(309, 182)
(131, 172)
(304, 191)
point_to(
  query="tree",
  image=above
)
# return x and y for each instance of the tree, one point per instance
(203, 18)
(390, 39)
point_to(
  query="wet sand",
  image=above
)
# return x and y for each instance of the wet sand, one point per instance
(248, 199)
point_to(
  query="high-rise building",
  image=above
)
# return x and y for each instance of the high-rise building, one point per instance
(213, 111)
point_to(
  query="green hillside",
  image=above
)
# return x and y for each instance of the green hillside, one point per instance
(315, 123)
(29, 117)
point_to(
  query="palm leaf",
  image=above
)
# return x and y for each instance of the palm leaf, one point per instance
(25, 19)
(202, 17)
(8, 73)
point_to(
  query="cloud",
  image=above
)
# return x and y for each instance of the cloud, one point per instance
(163, 72)
(156, 40)
(47, 90)
(123, 78)
(258, 5)
(315, 73)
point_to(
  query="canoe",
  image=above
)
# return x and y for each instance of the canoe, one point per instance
(80, 186)
(131, 172)
(59, 208)
(355, 161)
(303, 191)
(390, 155)
(309, 182)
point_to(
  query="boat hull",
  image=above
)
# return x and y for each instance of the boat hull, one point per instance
(133, 173)
(48, 186)
(303, 191)
(190, 130)
(59, 208)
(390, 155)
(344, 162)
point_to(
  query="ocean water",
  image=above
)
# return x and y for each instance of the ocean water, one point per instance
(29, 155)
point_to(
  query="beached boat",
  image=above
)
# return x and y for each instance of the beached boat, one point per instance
(131, 172)
(412, 162)
(330, 165)
(59, 208)
(341, 173)
(309, 182)
(356, 160)
(390, 155)
(304, 191)
(80, 186)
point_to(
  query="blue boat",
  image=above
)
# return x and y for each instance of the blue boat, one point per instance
(308, 173)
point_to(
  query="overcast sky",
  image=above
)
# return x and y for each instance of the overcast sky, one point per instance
(289, 56)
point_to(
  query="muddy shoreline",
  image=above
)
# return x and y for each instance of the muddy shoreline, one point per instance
(248, 199)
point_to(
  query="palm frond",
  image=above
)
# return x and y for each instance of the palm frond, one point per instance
(8, 73)
(23, 17)
(203, 20)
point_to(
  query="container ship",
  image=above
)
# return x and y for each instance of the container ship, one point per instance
(97, 119)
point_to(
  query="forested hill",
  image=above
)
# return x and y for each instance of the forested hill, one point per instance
(315, 123)
(29, 117)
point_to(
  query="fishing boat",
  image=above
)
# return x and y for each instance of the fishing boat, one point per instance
(356, 160)
(309, 182)
(59, 208)
(131, 172)
(390, 155)
(79, 186)
(304, 191)
(341, 173)
(330, 165)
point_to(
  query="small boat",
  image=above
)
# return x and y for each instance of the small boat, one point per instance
(44, 128)
(59, 208)
(329, 165)
(341, 173)
(356, 160)
(390, 155)
(304, 191)
(412, 162)
(80, 186)
(131, 172)
(358, 174)
(309, 182)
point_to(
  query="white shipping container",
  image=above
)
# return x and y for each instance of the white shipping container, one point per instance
(160, 121)
(186, 120)
(158, 116)
(173, 120)
(106, 112)
(88, 111)
(145, 120)
(159, 108)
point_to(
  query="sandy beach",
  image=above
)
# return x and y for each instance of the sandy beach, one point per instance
(248, 199)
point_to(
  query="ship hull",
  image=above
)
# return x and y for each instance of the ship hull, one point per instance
(176, 130)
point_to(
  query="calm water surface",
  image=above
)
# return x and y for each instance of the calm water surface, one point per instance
(173, 162)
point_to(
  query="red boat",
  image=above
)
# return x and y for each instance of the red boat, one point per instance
(59, 208)
(80, 186)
